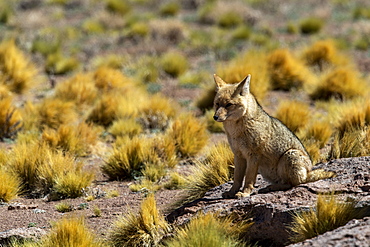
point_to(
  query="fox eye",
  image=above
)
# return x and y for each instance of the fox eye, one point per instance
(228, 105)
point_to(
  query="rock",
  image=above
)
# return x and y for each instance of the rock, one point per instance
(354, 233)
(272, 211)
(24, 233)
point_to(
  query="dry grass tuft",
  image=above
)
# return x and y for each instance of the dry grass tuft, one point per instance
(16, 70)
(328, 215)
(295, 115)
(174, 63)
(286, 71)
(70, 138)
(107, 78)
(70, 231)
(189, 134)
(123, 127)
(340, 83)
(208, 230)
(11, 121)
(79, 89)
(254, 63)
(323, 54)
(215, 170)
(10, 186)
(147, 228)
(54, 112)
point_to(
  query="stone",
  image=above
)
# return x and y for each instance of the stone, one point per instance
(21, 234)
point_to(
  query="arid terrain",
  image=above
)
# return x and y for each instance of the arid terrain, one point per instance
(65, 38)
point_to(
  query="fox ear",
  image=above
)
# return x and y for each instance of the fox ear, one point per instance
(243, 86)
(219, 82)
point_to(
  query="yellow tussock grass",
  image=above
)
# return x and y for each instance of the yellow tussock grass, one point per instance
(253, 62)
(144, 229)
(10, 119)
(16, 70)
(70, 231)
(295, 115)
(328, 215)
(122, 127)
(10, 186)
(208, 230)
(189, 134)
(286, 71)
(79, 89)
(107, 78)
(340, 83)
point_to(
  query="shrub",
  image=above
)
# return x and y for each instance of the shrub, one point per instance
(189, 135)
(287, 72)
(10, 119)
(147, 228)
(174, 63)
(46, 47)
(16, 70)
(293, 114)
(311, 25)
(92, 26)
(70, 231)
(6, 12)
(242, 32)
(361, 12)
(328, 215)
(138, 29)
(207, 230)
(10, 186)
(340, 83)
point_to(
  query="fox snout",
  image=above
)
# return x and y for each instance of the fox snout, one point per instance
(215, 117)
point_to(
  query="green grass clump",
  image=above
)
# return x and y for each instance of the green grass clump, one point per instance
(208, 230)
(189, 134)
(11, 121)
(169, 8)
(361, 12)
(92, 26)
(6, 12)
(242, 32)
(16, 70)
(175, 182)
(295, 115)
(328, 215)
(10, 185)
(57, 63)
(146, 228)
(138, 29)
(311, 25)
(64, 207)
(121, 7)
(70, 231)
(215, 170)
(45, 47)
(174, 63)
(340, 83)
(287, 72)
(229, 19)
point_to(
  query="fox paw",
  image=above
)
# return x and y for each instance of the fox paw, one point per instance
(228, 195)
(242, 194)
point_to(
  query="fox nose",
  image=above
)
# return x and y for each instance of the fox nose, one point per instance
(215, 117)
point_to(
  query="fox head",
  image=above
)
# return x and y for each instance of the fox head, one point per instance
(231, 100)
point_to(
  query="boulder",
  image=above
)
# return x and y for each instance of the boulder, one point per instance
(21, 234)
(271, 212)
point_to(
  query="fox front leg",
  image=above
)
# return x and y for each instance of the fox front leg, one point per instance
(239, 172)
(250, 178)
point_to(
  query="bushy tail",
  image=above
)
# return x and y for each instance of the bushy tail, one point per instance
(319, 174)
